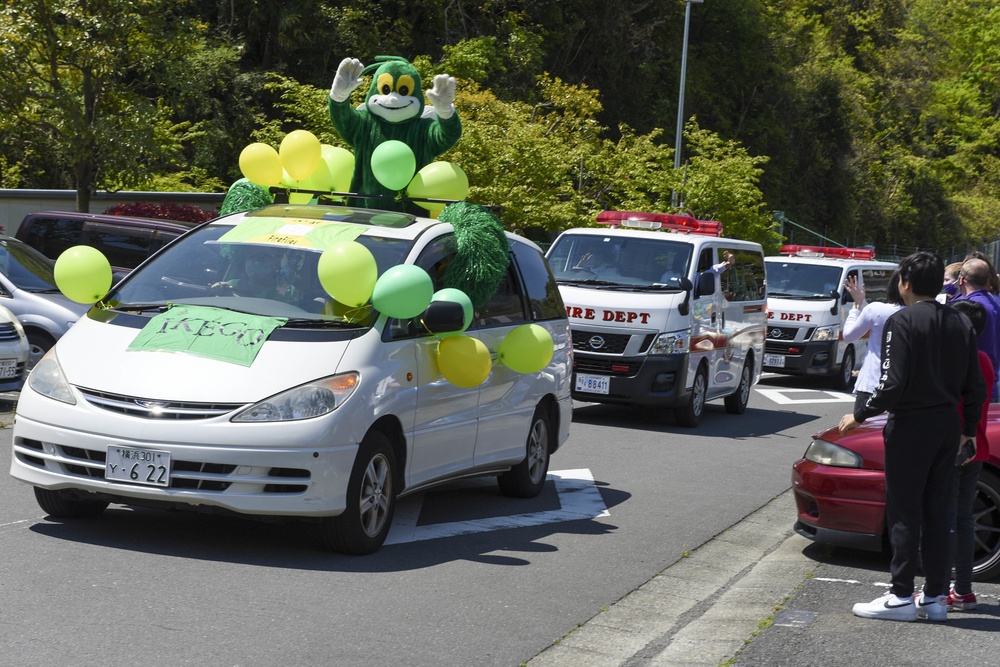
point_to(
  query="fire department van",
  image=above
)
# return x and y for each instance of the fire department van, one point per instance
(807, 305)
(660, 315)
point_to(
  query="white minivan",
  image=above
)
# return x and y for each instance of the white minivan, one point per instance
(661, 317)
(301, 409)
(807, 305)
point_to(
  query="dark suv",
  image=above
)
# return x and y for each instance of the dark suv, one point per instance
(125, 241)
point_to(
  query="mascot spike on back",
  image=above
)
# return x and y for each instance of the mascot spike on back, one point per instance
(393, 112)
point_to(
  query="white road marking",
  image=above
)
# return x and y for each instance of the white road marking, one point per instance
(579, 498)
(786, 396)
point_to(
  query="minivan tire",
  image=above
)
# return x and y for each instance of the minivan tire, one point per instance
(689, 415)
(527, 478)
(371, 500)
(61, 506)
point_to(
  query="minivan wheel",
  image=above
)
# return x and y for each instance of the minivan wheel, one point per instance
(846, 375)
(736, 403)
(62, 506)
(527, 478)
(690, 415)
(371, 500)
(986, 509)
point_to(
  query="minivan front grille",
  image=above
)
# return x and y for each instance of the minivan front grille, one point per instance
(145, 408)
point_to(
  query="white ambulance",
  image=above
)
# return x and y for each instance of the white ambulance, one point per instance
(664, 312)
(807, 305)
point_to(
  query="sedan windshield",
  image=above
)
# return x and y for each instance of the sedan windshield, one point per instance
(27, 268)
(268, 279)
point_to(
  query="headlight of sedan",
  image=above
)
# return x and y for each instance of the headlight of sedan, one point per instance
(671, 342)
(829, 454)
(47, 379)
(303, 402)
(827, 333)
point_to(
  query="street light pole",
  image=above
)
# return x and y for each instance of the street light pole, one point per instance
(680, 98)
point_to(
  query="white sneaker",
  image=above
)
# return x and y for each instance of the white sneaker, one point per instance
(888, 607)
(933, 609)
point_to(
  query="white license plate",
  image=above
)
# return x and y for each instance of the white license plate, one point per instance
(593, 384)
(8, 368)
(774, 360)
(138, 466)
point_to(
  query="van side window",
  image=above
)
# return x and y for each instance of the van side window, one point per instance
(744, 280)
(876, 282)
(506, 306)
(434, 260)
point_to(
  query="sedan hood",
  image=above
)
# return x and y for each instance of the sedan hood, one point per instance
(94, 355)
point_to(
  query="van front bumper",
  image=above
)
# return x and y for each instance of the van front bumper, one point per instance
(812, 358)
(658, 380)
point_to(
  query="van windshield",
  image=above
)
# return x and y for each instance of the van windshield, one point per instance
(619, 261)
(791, 280)
(258, 278)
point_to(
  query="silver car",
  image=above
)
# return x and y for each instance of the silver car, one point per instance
(28, 289)
(13, 352)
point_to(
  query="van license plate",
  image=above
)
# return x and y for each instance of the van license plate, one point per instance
(774, 360)
(593, 384)
(138, 466)
(8, 368)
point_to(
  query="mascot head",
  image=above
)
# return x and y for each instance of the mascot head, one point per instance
(395, 95)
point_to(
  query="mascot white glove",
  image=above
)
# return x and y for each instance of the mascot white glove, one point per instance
(442, 95)
(347, 78)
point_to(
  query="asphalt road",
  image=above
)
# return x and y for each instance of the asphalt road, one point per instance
(471, 578)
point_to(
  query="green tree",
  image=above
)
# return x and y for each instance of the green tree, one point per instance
(83, 89)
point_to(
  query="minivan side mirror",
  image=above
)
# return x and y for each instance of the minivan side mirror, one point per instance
(443, 317)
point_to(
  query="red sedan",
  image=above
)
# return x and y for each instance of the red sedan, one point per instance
(839, 487)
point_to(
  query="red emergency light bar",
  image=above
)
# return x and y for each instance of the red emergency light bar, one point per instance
(677, 223)
(823, 251)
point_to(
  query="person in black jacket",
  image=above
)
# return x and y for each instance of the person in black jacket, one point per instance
(929, 367)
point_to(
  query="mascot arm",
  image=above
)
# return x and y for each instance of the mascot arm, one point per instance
(350, 123)
(442, 134)
(442, 96)
(347, 78)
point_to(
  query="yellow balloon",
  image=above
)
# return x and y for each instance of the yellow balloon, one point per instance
(261, 165)
(438, 180)
(300, 153)
(463, 360)
(83, 274)
(527, 349)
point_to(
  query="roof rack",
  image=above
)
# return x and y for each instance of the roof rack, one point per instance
(677, 223)
(825, 251)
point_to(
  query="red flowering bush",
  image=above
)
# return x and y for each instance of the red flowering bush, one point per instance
(164, 210)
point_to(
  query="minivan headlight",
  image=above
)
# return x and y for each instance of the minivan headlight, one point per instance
(827, 333)
(303, 402)
(829, 454)
(671, 342)
(47, 379)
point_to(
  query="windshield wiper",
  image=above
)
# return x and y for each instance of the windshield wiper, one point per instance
(139, 307)
(307, 322)
(657, 287)
(591, 281)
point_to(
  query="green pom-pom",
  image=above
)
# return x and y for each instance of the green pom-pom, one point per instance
(244, 195)
(482, 253)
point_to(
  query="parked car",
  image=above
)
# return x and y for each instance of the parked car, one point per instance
(13, 352)
(839, 487)
(28, 289)
(335, 413)
(126, 241)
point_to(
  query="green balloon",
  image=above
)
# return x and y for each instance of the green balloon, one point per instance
(403, 291)
(526, 349)
(347, 271)
(458, 296)
(393, 164)
(83, 274)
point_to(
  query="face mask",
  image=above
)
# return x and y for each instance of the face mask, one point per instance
(951, 289)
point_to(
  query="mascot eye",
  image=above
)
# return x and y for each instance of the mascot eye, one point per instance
(405, 85)
(384, 83)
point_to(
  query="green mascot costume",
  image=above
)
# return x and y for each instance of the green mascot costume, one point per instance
(393, 110)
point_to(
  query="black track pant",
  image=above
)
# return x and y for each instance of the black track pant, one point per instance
(920, 451)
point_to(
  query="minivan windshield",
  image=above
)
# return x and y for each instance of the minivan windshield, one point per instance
(591, 259)
(270, 279)
(792, 280)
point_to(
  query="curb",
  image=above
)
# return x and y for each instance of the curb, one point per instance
(703, 609)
